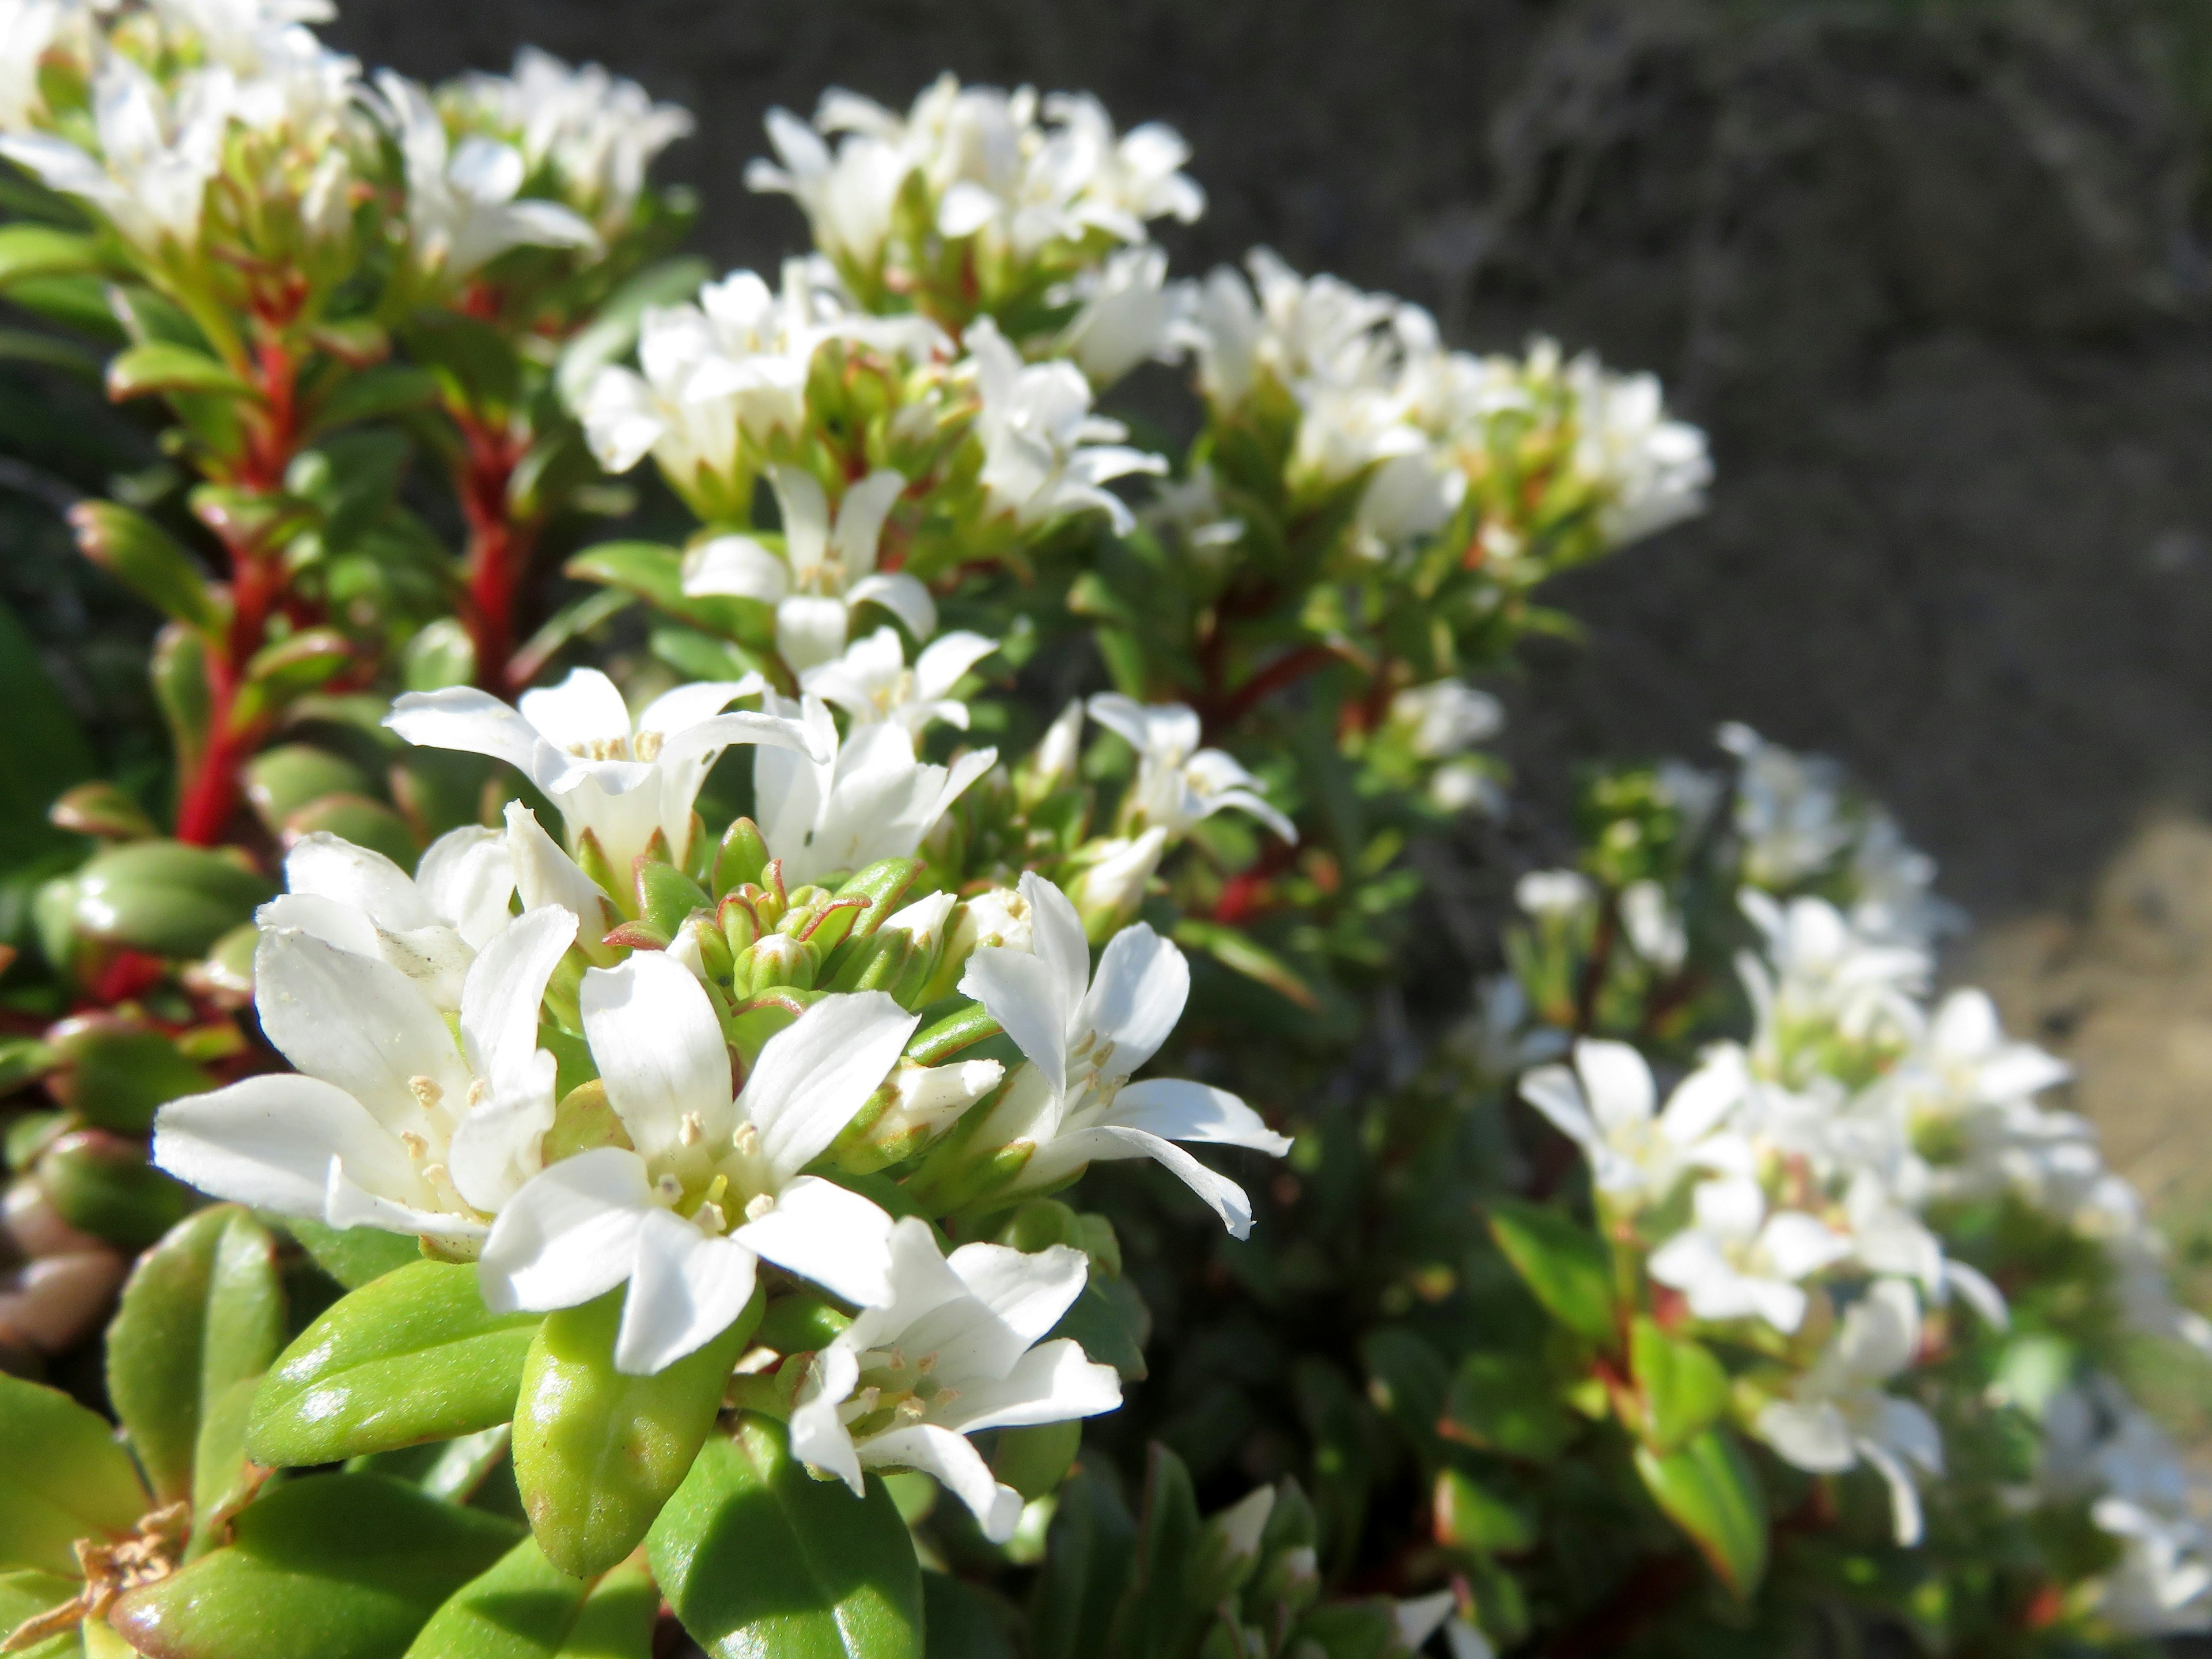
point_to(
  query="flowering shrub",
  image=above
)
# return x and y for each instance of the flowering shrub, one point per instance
(597, 1121)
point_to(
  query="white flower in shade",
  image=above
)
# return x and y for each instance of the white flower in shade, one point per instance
(1446, 718)
(1966, 1062)
(1554, 895)
(957, 1349)
(462, 206)
(1074, 1102)
(157, 151)
(1737, 1261)
(871, 681)
(1412, 492)
(237, 33)
(1116, 876)
(1837, 1414)
(709, 1184)
(618, 782)
(870, 799)
(1127, 312)
(430, 926)
(2100, 1445)
(1045, 454)
(1606, 1104)
(599, 132)
(1499, 1038)
(1177, 782)
(1790, 809)
(1651, 471)
(826, 571)
(2163, 1583)
(392, 1122)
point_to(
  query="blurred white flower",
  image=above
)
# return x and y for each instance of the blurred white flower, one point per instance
(1178, 783)
(1045, 454)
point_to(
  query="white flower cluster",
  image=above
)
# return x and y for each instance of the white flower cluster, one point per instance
(1378, 395)
(2100, 1447)
(1012, 176)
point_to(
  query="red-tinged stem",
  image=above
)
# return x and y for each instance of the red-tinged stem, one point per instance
(499, 553)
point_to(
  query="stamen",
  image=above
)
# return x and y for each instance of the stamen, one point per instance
(417, 1148)
(761, 1204)
(746, 1140)
(478, 1090)
(693, 1131)
(426, 1092)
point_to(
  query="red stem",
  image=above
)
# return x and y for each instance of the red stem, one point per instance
(499, 554)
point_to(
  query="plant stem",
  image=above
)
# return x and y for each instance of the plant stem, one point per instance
(498, 552)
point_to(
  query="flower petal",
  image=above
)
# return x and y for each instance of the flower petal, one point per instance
(570, 1235)
(328, 867)
(687, 705)
(466, 878)
(903, 595)
(1177, 1109)
(585, 713)
(686, 1290)
(477, 723)
(1136, 997)
(356, 1022)
(860, 518)
(958, 1467)
(1050, 1384)
(816, 1074)
(269, 1142)
(1617, 1082)
(820, 1231)
(1020, 992)
(817, 1433)
(736, 566)
(661, 1052)
(1226, 1199)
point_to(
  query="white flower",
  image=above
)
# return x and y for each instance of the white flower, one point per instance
(955, 1350)
(1446, 718)
(237, 33)
(1651, 471)
(430, 926)
(462, 206)
(826, 571)
(871, 681)
(1177, 782)
(29, 30)
(1654, 926)
(1837, 1415)
(619, 783)
(391, 1122)
(1303, 332)
(157, 152)
(868, 799)
(1737, 1261)
(1818, 973)
(1082, 1036)
(1116, 875)
(1790, 809)
(1127, 313)
(709, 1184)
(1045, 454)
(2097, 1443)
(1606, 1106)
(1554, 895)
(599, 132)
(848, 196)
(1497, 1036)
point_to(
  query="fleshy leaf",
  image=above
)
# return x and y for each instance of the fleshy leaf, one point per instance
(1563, 1264)
(62, 1478)
(1711, 1489)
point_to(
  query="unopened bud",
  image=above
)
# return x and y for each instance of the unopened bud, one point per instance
(1109, 892)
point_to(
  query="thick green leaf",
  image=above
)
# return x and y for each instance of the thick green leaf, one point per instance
(1161, 1616)
(146, 559)
(523, 1608)
(62, 1478)
(1088, 1551)
(1506, 1402)
(1033, 1460)
(1110, 1320)
(1562, 1262)
(363, 822)
(281, 781)
(165, 897)
(42, 251)
(342, 1566)
(116, 1075)
(618, 1618)
(1471, 1517)
(204, 1311)
(1711, 1489)
(597, 1453)
(42, 748)
(375, 394)
(413, 1355)
(103, 1184)
(354, 1256)
(759, 1558)
(966, 1621)
(1683, 1387)
(655, 574)
(160, 367)
(26, 1593)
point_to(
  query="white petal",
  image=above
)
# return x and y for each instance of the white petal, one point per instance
(812, 1076)
(568, 1236)
(585, 711)
(328, 867)
(1618, 1083)
(1025, 1290)
(1020, 992)
(711, 736)
(860, 518)
(737, 566)
(1908, 1431)
(903, 595)
(329, 919)
(1419, 1619)
(1057, 939)
(354, 1021)
(1178, 1110)
(1227, 1199)
(660, 1051)
(1136, 997)
(499, 1000)
(817, 1434)
(958, 1466)
(466, 876)
(805, 513)
(810, 629)
(687, 705)
(944, 661)
(685, 1291)
(1814, 1438)
(1052, 1383)
(821, 1232)
(1799, 1244)
(269, 1142)
(1904, 1495)
(1702, 1100)
(545, 874)
(1554, 1091)
(477, 723)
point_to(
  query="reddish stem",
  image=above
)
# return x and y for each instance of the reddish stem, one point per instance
(499, 553)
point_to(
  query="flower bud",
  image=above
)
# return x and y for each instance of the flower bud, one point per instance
(1109, 892)
(1051, 765)
(913, 1107)
(772, 960)
(999, 917)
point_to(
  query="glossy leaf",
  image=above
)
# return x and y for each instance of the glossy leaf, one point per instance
(146, 559)
(27, 251)
(654, 573)
(116, 1075)
(342, 1566)
(758, 1558)
(159, 366)
(1506, 1402)
(354, 1256)
(204, 1311)
(1161, 1616)
(103, 1185)
(1682, 1386)
(523, 1608)
(165, 897)
(1711, 1489)
(62, 1478)
(1471, 1516)
(413, 1355)
(1088, 1551)
(1562, 1262)
(597, 1453)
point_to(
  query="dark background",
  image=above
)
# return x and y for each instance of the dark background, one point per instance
(1931, 275)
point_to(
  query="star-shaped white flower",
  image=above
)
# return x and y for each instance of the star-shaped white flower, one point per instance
(391, 1121)
(617, 782)
(871, 681)
(1837, 1415)
(955, 1350)
(1074, 1102)
(1737, 1261)
(1045, 454)
(710, 1183)
(1606, 1106)
(1177, 782)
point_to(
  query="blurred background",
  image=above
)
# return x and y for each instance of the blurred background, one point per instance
(1933, 275)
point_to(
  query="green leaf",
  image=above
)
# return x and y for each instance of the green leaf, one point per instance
(363, 822)
(1711, 1489)
(103, 1184)
(757, 1558)
(413, 1355)
(146, 559)
(1409, 1380)
(1239, 952)
(655, 574)
(1563, 1263)
(597, 1452)
(179, 672)
(354, 1256)
(41, 250)
(1684, 1387)
(1087, 1555)
(203, 1311)
(613, 331)
(159, 367)
(282, 779)
(1472, 1517)
(1110, 1320)
(966, 1621)
(165, 897)
(62, 1478)
(523, 1608)
(42, 748)
(618, 1618)
(1033, 1460)
(116, 1076)
(1160, 1615)
(340, 1566)
(375, 394)
(1506, 1402)
(26, 1593)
